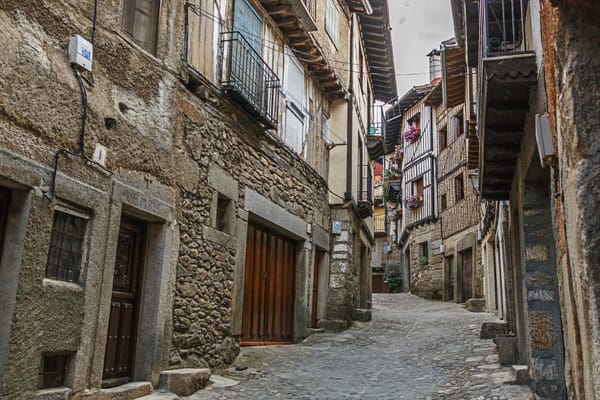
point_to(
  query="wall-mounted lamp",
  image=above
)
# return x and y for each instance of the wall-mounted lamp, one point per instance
(543, 138)
(474, 178)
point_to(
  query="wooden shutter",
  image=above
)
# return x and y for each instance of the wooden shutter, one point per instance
(247, 21)
(201, 37)
(140, 21)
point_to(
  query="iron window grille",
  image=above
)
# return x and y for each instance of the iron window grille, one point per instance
(53, 369)
(249, 79)
(66, 247)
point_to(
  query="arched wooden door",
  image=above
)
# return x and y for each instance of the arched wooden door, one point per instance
(268, 315)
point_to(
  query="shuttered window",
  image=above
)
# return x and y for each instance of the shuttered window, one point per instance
(140, 21)
(332, 21)
(203, 27)
(294, 133)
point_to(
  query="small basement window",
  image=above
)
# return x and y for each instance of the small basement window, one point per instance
(53, 369)
(66, 247)
(223, 217)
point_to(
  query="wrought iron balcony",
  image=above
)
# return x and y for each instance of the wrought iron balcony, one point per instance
(248, 79)
(365, 194)
(503, 28)
(379, 225)
(507, 71)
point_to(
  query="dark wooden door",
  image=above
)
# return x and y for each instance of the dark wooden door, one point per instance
(122, 326)
(268, 315)
(4, 204)
(315, 289)
(467, 258)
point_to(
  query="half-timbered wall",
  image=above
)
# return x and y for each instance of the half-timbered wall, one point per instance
(419, 162)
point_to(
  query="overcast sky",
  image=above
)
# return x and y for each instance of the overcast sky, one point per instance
(418, 26)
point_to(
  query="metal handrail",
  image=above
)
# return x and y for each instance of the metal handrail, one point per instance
(249, 77)
(503, 27)
(379, 224)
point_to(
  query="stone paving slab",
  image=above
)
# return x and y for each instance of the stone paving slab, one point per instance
(412, 349)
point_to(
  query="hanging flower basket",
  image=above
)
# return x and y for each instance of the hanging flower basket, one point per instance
(414, 201)
(412, 134)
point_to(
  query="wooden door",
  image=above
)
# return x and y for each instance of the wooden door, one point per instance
(315, 289)
(467, 258)
(268, 314)
(122, 325)
(4, 204)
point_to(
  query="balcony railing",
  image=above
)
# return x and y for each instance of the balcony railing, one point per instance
(379, 224)
(248, 78)
(503, 27)
(366, 186)
(311, 6)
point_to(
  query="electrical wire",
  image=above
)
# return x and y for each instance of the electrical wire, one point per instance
(276, 47)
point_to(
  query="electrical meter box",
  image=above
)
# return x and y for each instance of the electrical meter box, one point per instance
(80, 52)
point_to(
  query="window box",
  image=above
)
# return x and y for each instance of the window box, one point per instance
(414, 201)
(412, 134)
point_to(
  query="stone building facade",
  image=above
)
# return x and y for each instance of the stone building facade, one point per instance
(138, 198)
(537, 175)
(457, 201)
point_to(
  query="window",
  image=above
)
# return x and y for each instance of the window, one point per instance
(459, 188)
(443, 202)
(424, 253)
(223, 213)
(415, 121)
(460, 129)
(66, 247)
(325, 127)
(443, 136)
(418, 186)
(52, 371)
(294, 132)
(140, 22)
(332, 21)
(202, 37)
(361, 70)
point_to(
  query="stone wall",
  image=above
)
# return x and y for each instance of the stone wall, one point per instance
(164, 144)
(572, 76)
(251, 160)
(426, 279)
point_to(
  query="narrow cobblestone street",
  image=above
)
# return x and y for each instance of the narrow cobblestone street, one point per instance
(413, 349)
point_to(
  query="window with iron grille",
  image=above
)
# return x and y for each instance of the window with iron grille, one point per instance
(53, 369)
(140, 22)
(66, 247)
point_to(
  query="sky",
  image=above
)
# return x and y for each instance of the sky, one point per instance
(418, 26)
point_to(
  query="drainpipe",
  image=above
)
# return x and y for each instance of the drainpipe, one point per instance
(350, 99)
(433, 166)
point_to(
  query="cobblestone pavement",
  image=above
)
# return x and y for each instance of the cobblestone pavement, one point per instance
(413, 349)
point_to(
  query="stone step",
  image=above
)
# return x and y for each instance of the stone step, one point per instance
(520, 373)
(362, 314)
(128, 391)
(490, 330)
(508, 350)
(183, 382)
(475, 305)
(160, 396)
